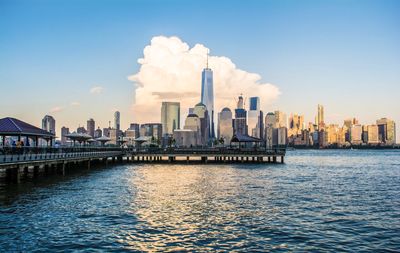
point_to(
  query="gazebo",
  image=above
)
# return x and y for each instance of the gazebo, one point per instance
(241, 138)
(77, 137)
(11, 127)
(103, 140)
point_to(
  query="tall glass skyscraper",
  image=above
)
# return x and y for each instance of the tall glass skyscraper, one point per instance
(254, 122)
(170, 117)
(207, 96)
(117, 120)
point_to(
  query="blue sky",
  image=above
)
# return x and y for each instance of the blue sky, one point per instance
(342, 54)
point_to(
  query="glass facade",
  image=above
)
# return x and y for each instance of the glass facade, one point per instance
(207, 96)
(170, 117)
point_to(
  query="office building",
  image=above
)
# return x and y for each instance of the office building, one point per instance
(193, 122)
(90, 126)
(225, 128)
(117, 120)
(240, 121)
(49, 124)
(320, 117)
(201, 111)
(64, 132)
(386, 131)
(185, 138)
(170, 117)
(207, 96)
(255, 118)
(98, 133)
(356, 134)
(373, 134)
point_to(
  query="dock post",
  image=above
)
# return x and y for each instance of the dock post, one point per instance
(274, 159)
(63, 168)
(282, 159)
(88, 164)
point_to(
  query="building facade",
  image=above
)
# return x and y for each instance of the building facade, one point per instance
(225, 127)
(207, 97)
(170, 117)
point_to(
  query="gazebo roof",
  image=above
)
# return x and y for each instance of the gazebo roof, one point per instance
(238, 137)
(103, 139)
(12, 126)
(78, 137)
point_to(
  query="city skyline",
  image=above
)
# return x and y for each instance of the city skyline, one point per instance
(302, 70)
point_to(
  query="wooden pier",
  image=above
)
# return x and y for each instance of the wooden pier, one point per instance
(16, 163)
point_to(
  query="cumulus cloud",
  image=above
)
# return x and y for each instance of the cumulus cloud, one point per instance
(171, 71)
(57, 109)
(96, 90)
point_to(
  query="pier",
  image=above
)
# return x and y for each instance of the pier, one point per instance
(18, 162)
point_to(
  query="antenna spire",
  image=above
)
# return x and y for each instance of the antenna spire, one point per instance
(208, 51)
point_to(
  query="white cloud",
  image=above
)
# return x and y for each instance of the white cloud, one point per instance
(171, 71)
(96, 90)
(75, 103)
(57, 109)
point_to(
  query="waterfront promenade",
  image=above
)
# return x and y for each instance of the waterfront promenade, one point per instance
(16, 163)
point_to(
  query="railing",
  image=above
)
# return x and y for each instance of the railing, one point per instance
(210, 151)
(30, 154)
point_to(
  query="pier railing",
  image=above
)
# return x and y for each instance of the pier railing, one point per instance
(26, 154)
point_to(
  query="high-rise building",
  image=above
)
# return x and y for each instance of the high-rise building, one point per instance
(240, 121)
(90, 126)
(225, 128)
(201, 111)
(254, 121)
(386, 131)
(49, 124)
(98, 133)
(373, 134)
(170, 117)
(320, 117)
(117, 120)
(81, 130)
(207, 96)
(356, 134)
(281, 119)
(193, 122)
(106, 131)
(114, 136)
(153, 130)
(136, 128)
(270, 125)
(64, 132)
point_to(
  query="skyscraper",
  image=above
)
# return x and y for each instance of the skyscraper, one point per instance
(207, 95)
(225, 128)
(254, 122)
(64, 132)
(386, 131)
(49, 124)
(90, 126)
(170, 117)
(117, 120)
(201, 111)
(320, 117)
(240, 121)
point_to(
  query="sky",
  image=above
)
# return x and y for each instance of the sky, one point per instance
(77, 60)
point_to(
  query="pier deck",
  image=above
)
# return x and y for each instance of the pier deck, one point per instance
(15, 162)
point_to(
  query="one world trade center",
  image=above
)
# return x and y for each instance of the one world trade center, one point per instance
(207, 96)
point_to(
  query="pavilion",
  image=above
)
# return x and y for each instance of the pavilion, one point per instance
(11, 127)
(78, 137)
(241, 138)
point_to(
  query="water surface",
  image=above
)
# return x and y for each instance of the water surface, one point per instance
(317, 201)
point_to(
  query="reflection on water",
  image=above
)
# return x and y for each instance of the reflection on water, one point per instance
(318, 200)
